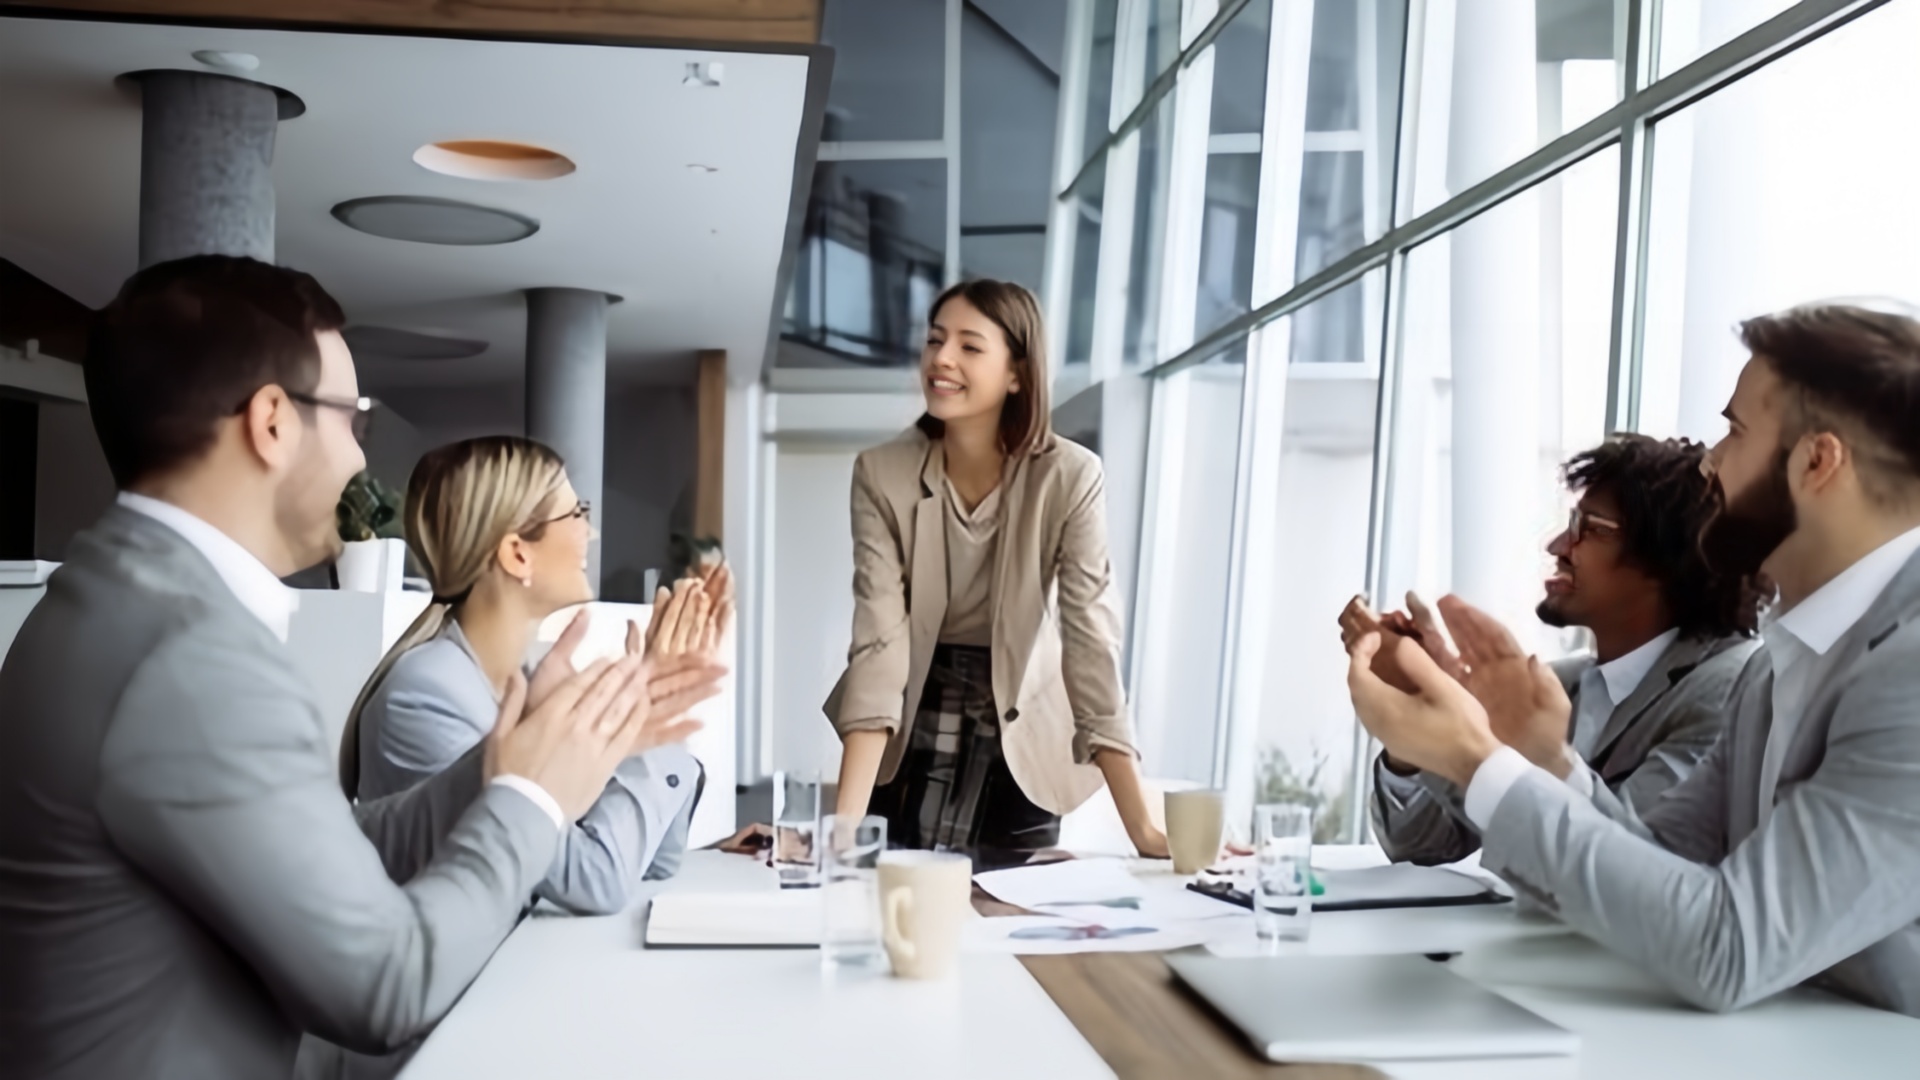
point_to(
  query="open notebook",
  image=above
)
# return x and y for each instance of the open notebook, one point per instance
(788, 919)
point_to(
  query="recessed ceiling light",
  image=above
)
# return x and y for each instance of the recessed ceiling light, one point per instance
(696, 167)
(434, 221)
(228, 61)
(409, 344)
(492, 159)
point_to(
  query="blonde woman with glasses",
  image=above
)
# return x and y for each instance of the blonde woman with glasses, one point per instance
(503, 539)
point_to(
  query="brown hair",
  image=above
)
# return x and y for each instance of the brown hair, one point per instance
(1854, 372)
(188, 343)
(462, 500)
(1026, 420)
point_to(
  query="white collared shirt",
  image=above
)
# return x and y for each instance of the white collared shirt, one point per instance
(1605, 687)
(261, 593)
(255, 586)
(1800, 645)
(1797, 642)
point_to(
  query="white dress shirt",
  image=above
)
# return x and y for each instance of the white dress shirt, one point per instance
(1604, 687)
(262, 593)
(1800, 643)
(1797, 644)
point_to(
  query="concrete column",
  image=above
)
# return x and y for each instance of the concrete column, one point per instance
(567, 389)
(1495, 313)
(206, 157)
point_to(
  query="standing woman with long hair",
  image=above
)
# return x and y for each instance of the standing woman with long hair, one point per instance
(982, 697)
(503, 539)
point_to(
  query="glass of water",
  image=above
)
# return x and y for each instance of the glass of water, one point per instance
(850, 891)
(796, 812)
(1283, 875)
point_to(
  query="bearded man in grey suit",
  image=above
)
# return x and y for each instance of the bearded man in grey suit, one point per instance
(1670, 637)
(183, 889)
(1792, 854)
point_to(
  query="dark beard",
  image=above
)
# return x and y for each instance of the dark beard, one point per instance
(1742, 534)
(1551, 615)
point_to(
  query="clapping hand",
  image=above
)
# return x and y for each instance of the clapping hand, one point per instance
(1526, 706)
(693, 617)
(570, 743)
(1437, 726)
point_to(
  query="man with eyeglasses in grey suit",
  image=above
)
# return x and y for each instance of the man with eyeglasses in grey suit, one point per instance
(183, 888)
(1792, 854)
(1670, 638)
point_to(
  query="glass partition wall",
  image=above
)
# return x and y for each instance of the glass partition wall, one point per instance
(1387, 263)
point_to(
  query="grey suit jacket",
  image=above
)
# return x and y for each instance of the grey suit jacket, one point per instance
(1725, 911)
(1651, 742)
(436, 704)
(182, 888)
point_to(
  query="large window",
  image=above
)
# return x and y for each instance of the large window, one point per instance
(1180, 611)
(1369, 363)
(1503, 375)
(1689, 28)
(1310, 508)
(934, 166)
(1494, 84)
(1793, 184)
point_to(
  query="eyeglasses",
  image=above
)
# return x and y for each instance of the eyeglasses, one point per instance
(581, 509)
(1582, 524)
(359, 410)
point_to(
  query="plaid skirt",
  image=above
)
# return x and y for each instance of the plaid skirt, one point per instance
(954, 791)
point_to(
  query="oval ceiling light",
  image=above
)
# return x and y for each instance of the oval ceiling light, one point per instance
(492, 159)
(434, 221)
(391, 341)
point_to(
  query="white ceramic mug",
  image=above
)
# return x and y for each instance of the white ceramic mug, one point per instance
(1195, 821)
(924, 900)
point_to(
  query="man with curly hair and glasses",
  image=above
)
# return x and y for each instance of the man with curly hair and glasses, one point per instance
(1670, 638)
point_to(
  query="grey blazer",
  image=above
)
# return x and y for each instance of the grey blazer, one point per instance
(1727, 912)
(1651, 741)
(183, 890)
(436, 704)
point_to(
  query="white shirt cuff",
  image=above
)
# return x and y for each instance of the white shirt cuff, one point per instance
(547, 803)
(1580, 779)
(1491, 782)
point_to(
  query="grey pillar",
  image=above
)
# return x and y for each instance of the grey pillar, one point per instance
(567, 389)
(206, 154)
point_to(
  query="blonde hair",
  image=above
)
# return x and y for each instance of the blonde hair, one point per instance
(462, 500)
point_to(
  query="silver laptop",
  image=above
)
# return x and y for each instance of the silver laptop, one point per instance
(1366, 1008)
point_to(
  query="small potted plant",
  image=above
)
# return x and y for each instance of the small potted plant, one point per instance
(375, 554)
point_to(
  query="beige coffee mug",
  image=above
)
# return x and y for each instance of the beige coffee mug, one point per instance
(1195, 820)
(925, 897)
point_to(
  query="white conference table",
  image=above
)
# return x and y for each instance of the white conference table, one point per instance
(580, 998)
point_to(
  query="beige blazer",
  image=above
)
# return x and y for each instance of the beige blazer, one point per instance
(1056, 630)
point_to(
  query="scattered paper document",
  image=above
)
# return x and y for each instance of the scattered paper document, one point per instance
(1041, 935)
(1099, 891)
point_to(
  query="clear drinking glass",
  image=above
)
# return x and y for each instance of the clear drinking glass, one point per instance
(1283, 875)
(850, 891)
(796, 814)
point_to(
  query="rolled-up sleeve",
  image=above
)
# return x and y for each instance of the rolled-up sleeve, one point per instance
(871, 694)
(1090, 626)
